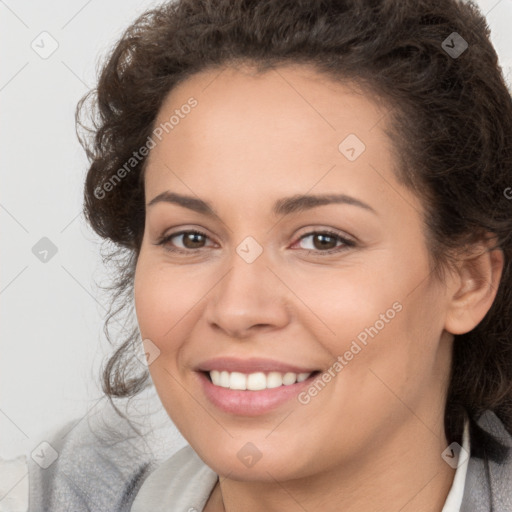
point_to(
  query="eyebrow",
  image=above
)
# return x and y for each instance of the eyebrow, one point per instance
(284, 206)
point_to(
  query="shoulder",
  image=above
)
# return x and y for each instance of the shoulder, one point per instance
(74, 469)
(489, 475)
(183, 481)
(98, 462)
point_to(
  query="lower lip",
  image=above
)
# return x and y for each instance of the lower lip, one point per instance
(251, 403)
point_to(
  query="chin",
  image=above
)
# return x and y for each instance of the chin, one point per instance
(245, 462)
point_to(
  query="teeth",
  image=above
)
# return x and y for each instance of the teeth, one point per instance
(274, 380)
(289, 378)
(224, 379)
(302, 377)
(255, 381)
(237, 381)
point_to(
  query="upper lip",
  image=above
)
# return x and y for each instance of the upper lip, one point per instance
(251, 365)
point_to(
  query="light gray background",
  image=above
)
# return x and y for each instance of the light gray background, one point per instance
(52, 343)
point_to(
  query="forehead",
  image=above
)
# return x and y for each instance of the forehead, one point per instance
(295, 99)
(287, 128)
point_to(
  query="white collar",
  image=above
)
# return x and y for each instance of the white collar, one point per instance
(454, 498)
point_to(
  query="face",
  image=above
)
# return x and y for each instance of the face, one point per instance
(325, 308)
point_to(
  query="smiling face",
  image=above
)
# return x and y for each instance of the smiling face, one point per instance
(273, 284)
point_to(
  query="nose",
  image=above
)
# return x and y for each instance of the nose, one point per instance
(248, 298)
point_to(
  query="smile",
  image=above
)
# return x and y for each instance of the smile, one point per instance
(255, 381)
(252, 388)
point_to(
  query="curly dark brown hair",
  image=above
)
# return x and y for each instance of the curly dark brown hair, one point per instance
(451, 127)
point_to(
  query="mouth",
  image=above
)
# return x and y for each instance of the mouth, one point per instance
(253, 394)
(256, 381)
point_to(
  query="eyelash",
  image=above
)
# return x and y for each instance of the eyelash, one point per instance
(164, 241)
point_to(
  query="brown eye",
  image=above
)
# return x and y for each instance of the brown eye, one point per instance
(192, 240)
(184, 241)
(321, 241)
(324, 242)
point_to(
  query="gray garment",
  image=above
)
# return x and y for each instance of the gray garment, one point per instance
(88, 475)
(97, 471)
(102, 461)
(488, 485)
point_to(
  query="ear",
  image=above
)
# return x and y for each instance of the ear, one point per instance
(473, 286)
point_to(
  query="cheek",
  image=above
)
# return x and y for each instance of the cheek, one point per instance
(164, 300)
(344, 301)
(382, 316)
(163, 297)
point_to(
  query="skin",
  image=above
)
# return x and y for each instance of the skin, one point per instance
(372, 438)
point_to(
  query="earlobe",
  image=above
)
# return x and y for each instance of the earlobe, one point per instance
(474, 289)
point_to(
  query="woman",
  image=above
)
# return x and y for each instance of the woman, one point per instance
(309, 198)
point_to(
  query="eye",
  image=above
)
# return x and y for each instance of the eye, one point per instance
(191, 240)
(325, 242)
(321, 242)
